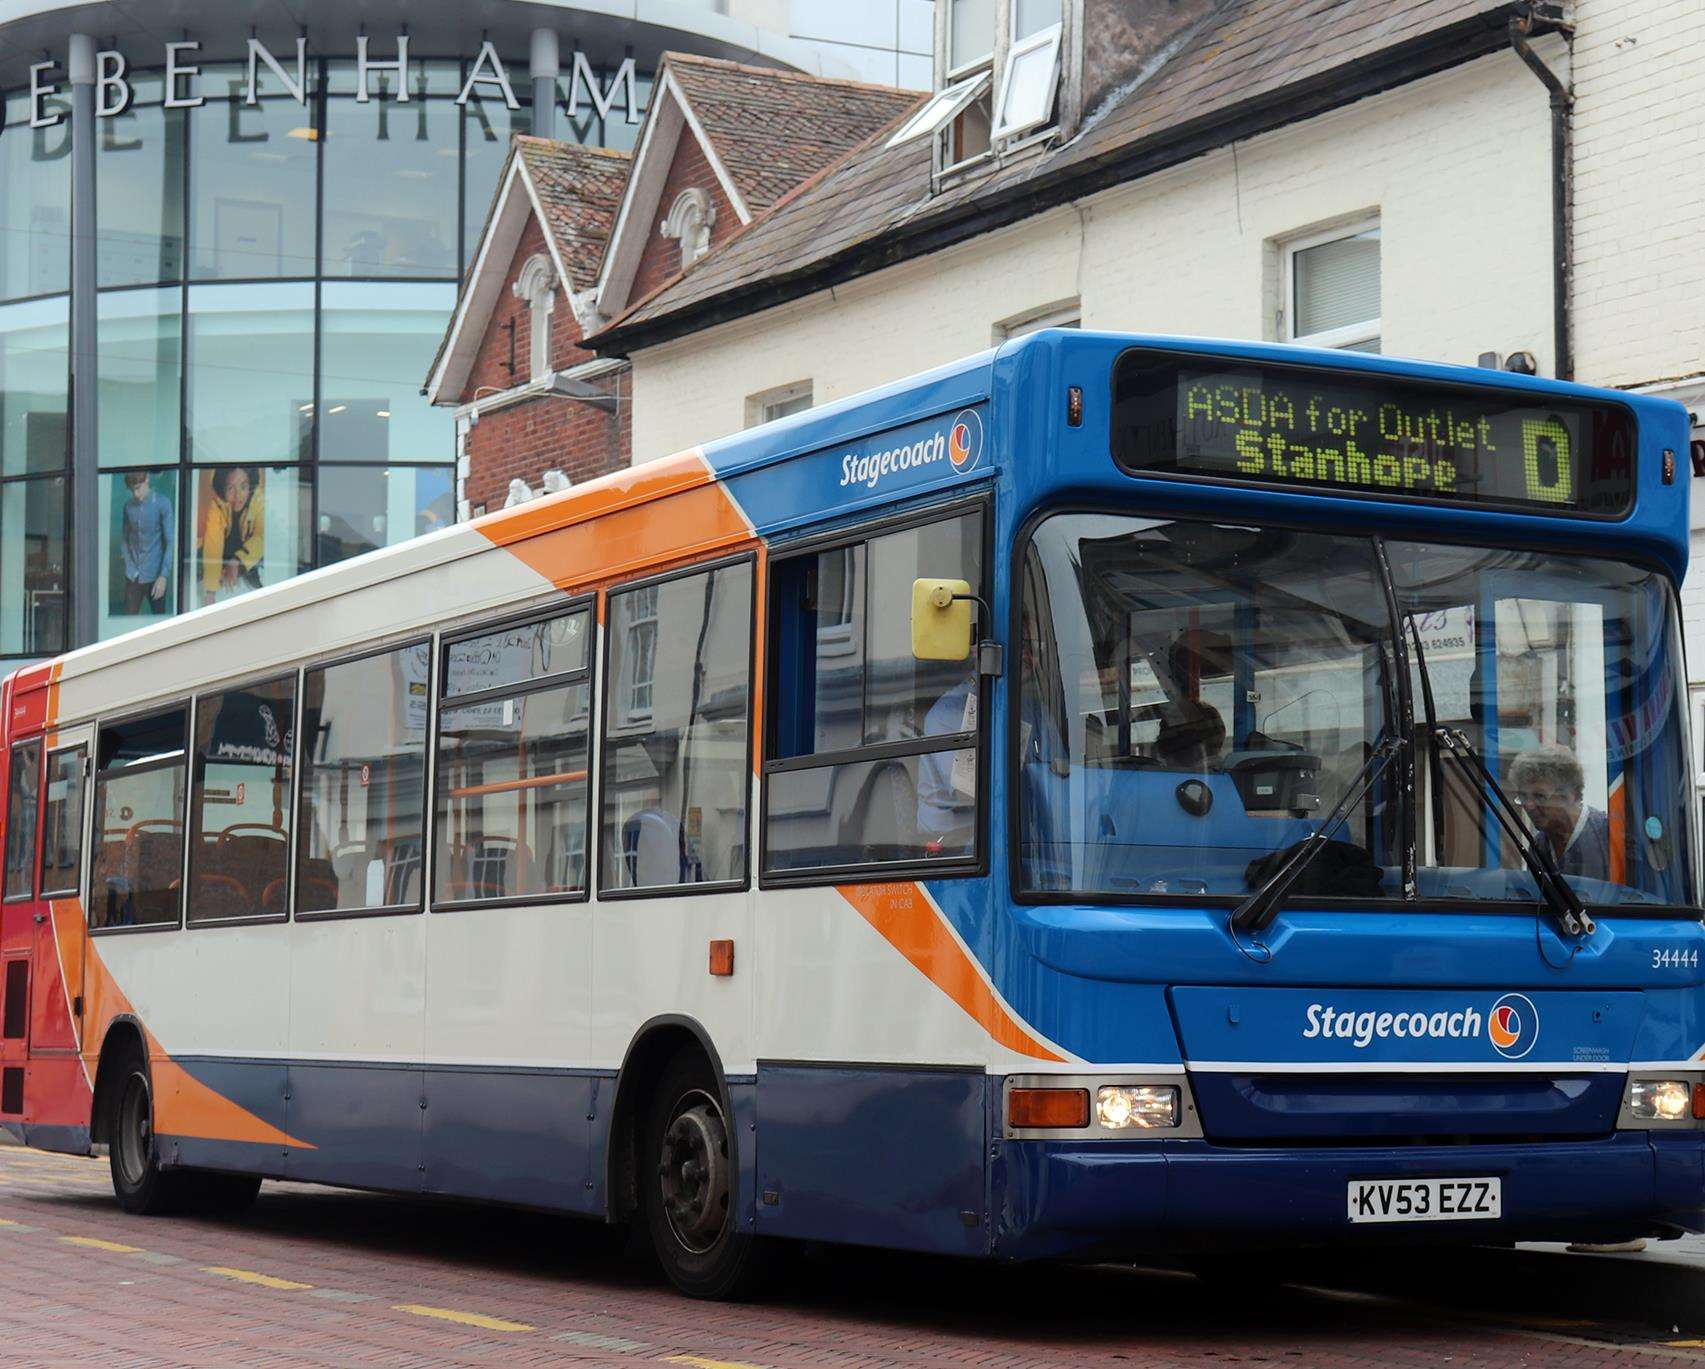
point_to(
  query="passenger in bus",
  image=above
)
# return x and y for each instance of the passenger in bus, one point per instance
(1547, 781)
(947, 780)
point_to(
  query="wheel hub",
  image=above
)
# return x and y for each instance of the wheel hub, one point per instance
(693, 1173)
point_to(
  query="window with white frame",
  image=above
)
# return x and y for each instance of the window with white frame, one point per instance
(769, 405)
(640, 659)
(535, 286)
(997, 78)
(1332, 289)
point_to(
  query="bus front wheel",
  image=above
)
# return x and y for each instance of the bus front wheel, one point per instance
(687, 1168)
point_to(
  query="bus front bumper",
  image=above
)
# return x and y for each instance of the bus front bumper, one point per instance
(1055, 1199)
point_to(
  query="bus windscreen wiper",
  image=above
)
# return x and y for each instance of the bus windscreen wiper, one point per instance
(1571, 914)
(1260, 908)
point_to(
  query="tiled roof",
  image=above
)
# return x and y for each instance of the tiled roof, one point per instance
(579, 189)
(773, 129)
(1252, 64)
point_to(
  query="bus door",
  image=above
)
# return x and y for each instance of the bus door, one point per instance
(57, 995)
(17, 904)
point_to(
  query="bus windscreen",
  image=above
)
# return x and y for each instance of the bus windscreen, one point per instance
(1359, 433)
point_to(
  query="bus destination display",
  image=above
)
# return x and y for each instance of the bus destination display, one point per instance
(1340, 433)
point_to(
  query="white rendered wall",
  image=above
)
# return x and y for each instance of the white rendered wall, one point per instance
(1639, 126)
(1457, 168)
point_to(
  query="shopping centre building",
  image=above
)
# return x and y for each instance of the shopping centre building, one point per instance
(283, 200)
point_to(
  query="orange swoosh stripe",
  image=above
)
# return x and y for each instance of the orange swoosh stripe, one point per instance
(183, 1105)
(908, 921)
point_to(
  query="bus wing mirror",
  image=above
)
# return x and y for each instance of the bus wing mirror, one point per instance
(941, 620)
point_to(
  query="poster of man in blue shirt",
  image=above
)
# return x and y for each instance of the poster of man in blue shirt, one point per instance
(145, 543)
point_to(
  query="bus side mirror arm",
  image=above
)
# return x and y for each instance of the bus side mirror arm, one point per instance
(991, 656)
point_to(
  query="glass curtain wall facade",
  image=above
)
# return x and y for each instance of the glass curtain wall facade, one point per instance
(274, 279)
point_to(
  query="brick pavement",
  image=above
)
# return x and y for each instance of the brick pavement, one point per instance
(329, 1277)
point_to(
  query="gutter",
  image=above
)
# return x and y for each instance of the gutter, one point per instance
(1427, 55)
(1543, 19)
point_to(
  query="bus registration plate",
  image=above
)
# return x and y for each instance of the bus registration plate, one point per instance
(1424, 1200)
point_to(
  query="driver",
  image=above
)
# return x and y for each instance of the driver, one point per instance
(1192, 734)
(1549, 785)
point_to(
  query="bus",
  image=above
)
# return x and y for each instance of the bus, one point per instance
(1111, 794)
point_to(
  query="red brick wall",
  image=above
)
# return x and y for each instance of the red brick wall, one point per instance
(490, 371)
(546, 432)
(661, 259)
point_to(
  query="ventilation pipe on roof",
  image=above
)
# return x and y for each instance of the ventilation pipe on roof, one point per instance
(545, 62)
(1544, 19)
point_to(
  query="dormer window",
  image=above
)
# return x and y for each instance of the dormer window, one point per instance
(535, 286)
(690, 220)
(997, 79)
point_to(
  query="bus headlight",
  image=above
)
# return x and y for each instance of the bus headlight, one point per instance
(1660, 1100)
(1147, 1106)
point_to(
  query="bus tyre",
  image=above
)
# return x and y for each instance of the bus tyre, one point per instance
(141, 1185)
(688, 1183)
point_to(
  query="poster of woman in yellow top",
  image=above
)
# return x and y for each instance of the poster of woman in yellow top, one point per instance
(231, 538)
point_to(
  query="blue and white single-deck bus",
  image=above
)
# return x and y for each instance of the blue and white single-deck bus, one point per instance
(1111, 794)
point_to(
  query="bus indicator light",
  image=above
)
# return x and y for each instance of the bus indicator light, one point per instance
(722, 958)
(1047, 1108)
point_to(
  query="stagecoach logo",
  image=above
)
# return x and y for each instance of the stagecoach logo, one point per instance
(1512, 1026)
(960, 444)
(965, 441)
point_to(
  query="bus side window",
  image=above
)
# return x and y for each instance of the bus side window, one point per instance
(23, 795)
(62, 824)
(873, 755)
(513, 748)
(676, 756)
(361, 829)
(140, 785)
(240, 799)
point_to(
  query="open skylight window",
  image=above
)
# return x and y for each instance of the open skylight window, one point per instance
(1029, 84)
(942, 107)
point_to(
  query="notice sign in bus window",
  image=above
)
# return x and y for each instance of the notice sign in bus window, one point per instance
(1348, 433)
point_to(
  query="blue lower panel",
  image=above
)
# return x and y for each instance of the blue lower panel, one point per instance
(1058, 1198)
(363, 1121)
(1283, 1107)
(515, 1137)
(509, 1136)
(872, 1156)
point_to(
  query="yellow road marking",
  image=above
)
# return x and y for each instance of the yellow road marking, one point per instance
(465, 1318)
(1686, 1344)
(7, 1221)
(708, 1363)
(95, 1243)
(249, 1276)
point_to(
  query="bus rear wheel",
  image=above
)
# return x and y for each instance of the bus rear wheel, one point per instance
(688, 1182)
(141, 1185)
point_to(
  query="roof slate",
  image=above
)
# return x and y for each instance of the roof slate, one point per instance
(579, 189)
(773, 129)
(1246, 53)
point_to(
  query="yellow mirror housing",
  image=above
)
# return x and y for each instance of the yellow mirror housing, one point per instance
(941, 620)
